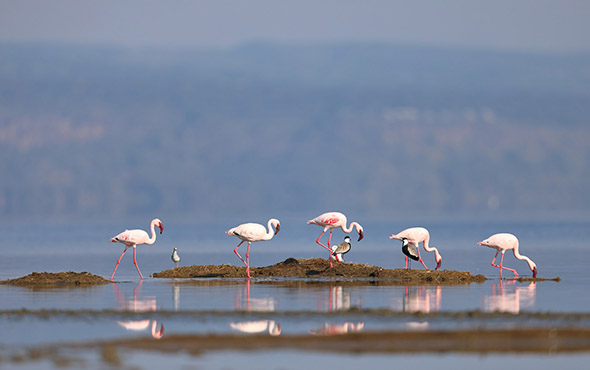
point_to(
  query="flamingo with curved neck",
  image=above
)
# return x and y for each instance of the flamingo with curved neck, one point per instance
(415, 236)
(503, 242)
(133, 238)
(252, 232)
(331, 221)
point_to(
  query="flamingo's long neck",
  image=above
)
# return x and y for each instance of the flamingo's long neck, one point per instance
(152, 239)
(519, 256)
(349, 229)
(270, 233)
(428, 248)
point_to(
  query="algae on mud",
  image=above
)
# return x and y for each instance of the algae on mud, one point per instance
(320, 268)
(57, 279)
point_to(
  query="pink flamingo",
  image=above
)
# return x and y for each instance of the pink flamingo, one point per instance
(501, 243)
(133, 238)
(414, 236)
(252, 232)
(333, 220)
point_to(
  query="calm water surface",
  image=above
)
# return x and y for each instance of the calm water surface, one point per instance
(132, 308)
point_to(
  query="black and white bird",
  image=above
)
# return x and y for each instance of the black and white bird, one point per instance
(340, 249)
(409, 249)
(175, 258)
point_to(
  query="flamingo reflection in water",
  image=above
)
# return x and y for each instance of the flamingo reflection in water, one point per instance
(422, 299)
(339, 299)
(265, 304)
(338, 329)
(508, 297)
(147, 304)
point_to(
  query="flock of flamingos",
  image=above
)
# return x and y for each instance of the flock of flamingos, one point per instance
(252, 232)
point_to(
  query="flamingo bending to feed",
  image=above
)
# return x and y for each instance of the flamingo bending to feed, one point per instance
(501, 243)
(133, 238)
(333, 220)
(252, 232)
(411, 238)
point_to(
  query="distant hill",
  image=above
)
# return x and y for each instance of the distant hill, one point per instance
(105, 132)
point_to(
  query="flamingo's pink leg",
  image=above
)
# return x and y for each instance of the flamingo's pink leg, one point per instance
(329, 250)
(117, 265)
(420, 258)
(237, 254)
(502, 267)
(248, 261)
(135, 262)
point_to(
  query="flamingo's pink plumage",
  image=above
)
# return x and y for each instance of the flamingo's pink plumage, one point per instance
(252, 232)
(133, 238)
(331, 221)
(501, 243)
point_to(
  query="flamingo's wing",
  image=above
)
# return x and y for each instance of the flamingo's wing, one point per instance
(327, 219)
(249, 231)
(132, 237)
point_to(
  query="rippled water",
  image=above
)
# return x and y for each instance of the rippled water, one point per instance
(133, 308)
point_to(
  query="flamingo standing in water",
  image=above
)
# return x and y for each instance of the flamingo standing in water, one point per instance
(252, 232)
(501, 243)
(133, 238)
(333, 220)
(412, 237)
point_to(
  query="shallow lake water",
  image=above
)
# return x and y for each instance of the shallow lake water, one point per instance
(131, 308)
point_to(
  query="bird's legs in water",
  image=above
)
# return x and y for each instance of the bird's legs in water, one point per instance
(247, 257)
(135, 262)
(119, 260)
(502, 267)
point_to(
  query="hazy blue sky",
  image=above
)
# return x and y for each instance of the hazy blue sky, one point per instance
(531, 24)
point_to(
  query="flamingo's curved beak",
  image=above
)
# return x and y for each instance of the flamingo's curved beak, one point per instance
(438, 264)
(535, 272)
(277, 229)
(161, 226)
(361, 235)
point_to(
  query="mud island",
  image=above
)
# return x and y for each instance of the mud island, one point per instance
(57, 279)
(320, 268)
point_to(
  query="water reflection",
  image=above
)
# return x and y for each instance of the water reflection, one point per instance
(261, 304)
(137, 304)
(338, 329)
(508, 297)
(257, 327)
(243, 300)
(337, 299)
(176, 296)
(424, 299)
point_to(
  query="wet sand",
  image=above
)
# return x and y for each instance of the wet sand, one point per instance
(320, 268)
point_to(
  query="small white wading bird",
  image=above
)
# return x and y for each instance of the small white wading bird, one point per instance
(331, 221)
(501, 243)
(133, 238)
(252, 232)
(340, 249)
(410, 239)
(175, 257)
